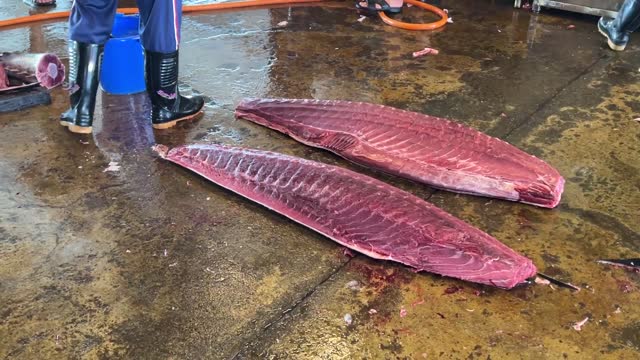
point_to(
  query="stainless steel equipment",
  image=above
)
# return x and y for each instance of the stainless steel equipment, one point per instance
(607, 8)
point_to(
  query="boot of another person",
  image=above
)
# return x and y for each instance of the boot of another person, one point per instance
(84, 71)
(617, 30)
(168, 107)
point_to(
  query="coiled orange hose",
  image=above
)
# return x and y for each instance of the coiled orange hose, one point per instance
(239, 5)
(408, 26)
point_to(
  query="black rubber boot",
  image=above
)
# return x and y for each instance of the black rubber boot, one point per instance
(617, 30)
(168, 107)
(69, 116)
(84, 72)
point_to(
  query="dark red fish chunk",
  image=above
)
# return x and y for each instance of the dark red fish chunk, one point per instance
(452, 290)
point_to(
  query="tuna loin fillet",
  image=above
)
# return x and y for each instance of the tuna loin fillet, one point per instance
(441, 153)
(359, 212)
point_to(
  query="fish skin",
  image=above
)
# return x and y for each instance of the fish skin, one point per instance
(4, 78)
(359, 212)
(434, 151)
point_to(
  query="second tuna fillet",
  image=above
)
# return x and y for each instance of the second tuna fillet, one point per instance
(434, 151)
(359, 212)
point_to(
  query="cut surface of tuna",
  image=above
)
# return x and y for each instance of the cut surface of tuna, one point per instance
(359, 212)
(434, 151)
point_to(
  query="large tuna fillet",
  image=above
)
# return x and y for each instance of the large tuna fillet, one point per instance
(359, 212)
(47, 68)
(441, 153)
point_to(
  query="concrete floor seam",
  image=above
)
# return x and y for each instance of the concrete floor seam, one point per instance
(550, 99)
(273, 324)
(629, 237)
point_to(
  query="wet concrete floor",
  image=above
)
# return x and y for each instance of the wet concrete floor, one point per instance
(152, 262)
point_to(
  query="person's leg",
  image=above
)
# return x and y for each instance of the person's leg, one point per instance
(160, 24)
(617, 30)
(90, 26)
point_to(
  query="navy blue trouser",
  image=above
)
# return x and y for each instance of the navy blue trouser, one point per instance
(160, 20)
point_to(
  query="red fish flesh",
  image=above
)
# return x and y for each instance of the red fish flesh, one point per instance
(441, 153)
(359, 212)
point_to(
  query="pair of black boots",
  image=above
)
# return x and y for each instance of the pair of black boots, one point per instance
(161, 77)
(617, 30)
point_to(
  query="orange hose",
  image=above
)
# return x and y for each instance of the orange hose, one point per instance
(33, 18)
(408, 26)
(243, 4)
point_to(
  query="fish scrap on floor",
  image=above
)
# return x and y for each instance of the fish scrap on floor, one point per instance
(359, 212)
(425, 51)
(434, 151)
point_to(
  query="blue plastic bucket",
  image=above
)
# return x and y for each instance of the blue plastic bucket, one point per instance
(122, 70)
